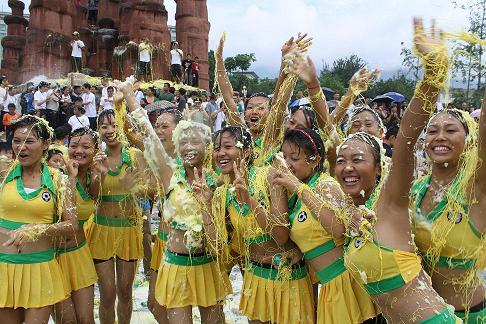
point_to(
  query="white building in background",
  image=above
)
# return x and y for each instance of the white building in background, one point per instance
(172, 31)
(3, 30)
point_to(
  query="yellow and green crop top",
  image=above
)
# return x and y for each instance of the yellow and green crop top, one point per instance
(446, 225)
(309, 235)
(111, 188)
(85, 205)
(18, 208)
(380, 269)
(181, 210)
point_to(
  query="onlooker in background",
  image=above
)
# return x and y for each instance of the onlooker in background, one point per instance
(204, 100)
(105, 83)
(11, 96)
(7, 120)
(61, 135)
(212, 108)
(40, 98)
(106, 102)
(3, 87)
(77, 53)
(195, 72)
(393, 119)
(176, 62)
(76, 93)
(65, 106)
(181, 99)
(165, 94)
(89, 104)
(92, 12)
(27, 100)
(196, 113)
(52, 107)
(389, 140)
(187, 66)
(79, 119)
(139, 96)
(144, 58)
(192, 98)
(95, 91)
(332, 104)
(220, 120)
(150, 96)
(239, 103)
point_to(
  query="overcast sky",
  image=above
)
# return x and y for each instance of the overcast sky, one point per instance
(372, 29)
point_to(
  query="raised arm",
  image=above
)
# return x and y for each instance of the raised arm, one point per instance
(225, 87)
(432, 51)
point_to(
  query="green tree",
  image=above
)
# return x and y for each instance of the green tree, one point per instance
(410, 62)
(345, 67)
(243, 61)
(398, 83)
(212, 64)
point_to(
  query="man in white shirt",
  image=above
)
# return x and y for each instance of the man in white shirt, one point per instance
(77, 53)
(3, 87)
(106, 102)
(40, 98)
(11, 96)
(89, 103)
(144, 54)
(176, 62)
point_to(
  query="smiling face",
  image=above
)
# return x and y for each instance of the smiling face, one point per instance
(107, 129)
(164, 127)
(299, 163)
(365, 121)
(297, 120)
(27, 146)
(256, 114)
(356, 169)
(192, 148)
(82, 149)
(445, 138)
(226, 152)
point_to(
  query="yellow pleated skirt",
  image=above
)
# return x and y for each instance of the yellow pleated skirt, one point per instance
(191, 285)
(31, 285)
(78, 267)
(343, 300)
(277, 301)
(106, 242)
(157, 254)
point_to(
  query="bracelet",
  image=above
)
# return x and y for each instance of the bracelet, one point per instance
(301, 189)
(314, 98)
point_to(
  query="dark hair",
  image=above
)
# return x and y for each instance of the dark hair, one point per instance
(167, 84)
(11, 105)
(310, 141)
(109, 113)
(456, 114)
(197, 57)
(53, 151)
(369, 140)
(39, 127)
(172, 90)
(240, 134)
(255, 95)
(152, 89)
(62, 131)
(391, 131)
(85, 131)
(87, 85)
(309, 115)
(193, 93)
(176, 114)
(76, 87)
(110, 88)
(182, 91)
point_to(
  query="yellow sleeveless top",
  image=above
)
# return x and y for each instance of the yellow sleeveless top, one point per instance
(258, 156)
(462, 241)
(380, 269)
(18, 208)
(85, 205)
(111, 188)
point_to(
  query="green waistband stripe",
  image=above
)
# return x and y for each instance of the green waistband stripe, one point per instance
(187, 261)
(444, 317)
(116, 198)
(70, 249)
(259, 239)
(320, 250)
(27, 258)
(454, 263)
(332, 271)
(472, 317)
(81, 222)
(385, 285)
(11, 225)
(113, 222)
(272, 273)
(163, 236)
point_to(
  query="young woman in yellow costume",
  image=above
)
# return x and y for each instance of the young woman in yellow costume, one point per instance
(276, 285)
(315, 212)
(115, 236)
(187, 276)
(448, 207)
(381, 253)
(164, 127)
(36, 206)
(73, 253)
